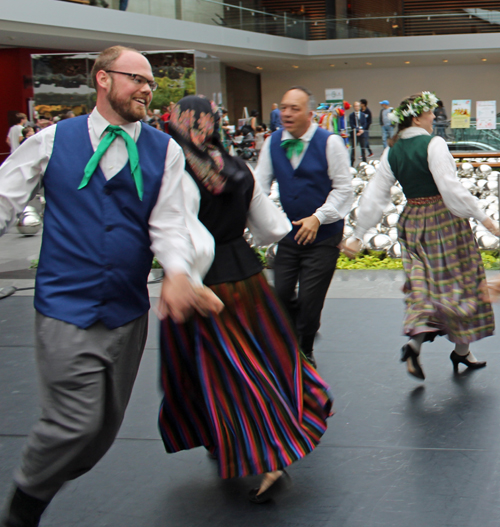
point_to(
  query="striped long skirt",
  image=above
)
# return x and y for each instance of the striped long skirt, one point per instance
(445, 285)
(237, 384)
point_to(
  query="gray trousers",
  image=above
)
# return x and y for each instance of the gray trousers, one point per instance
(86, 378)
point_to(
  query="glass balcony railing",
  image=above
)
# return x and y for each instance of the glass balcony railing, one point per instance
(235, 15)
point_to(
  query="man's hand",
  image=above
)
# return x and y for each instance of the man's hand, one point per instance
(360, 132)
(492, 226)
(308, 230)
(179, 299)
(494, 288)
(351, 247)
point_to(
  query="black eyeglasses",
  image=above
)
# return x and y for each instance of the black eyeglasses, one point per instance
(137, 79)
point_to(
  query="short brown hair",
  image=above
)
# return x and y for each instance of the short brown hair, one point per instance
(20, 116)
(106, 59)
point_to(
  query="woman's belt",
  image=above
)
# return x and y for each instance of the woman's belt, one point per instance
(424, 201)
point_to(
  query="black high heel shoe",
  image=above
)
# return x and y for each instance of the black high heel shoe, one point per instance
(409, 356)
(282, 483)
(457, 359)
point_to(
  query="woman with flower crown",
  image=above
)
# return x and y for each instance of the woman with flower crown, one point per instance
(445, 288)
(236, 383)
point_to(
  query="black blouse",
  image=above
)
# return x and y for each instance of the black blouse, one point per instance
(225, 216)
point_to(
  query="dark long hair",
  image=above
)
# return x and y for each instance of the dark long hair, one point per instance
(407, 121)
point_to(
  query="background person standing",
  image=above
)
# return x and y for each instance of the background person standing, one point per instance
(275, 118)
(441, 121)
(357, 123)
(385, 122)
(15, 134)
(368, 115)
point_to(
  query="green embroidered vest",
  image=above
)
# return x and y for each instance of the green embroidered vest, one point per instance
(408, 160)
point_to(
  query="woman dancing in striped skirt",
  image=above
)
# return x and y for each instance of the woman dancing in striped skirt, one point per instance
(236, 383)
(445, 288)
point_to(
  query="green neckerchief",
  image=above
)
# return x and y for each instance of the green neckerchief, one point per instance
(133, 156)
(292, 146)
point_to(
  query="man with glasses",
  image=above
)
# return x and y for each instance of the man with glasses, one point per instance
(114, 197)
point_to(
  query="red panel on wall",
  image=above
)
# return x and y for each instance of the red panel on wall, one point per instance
(17, 88)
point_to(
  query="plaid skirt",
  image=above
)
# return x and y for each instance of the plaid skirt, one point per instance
(237, 384)
(445, 285)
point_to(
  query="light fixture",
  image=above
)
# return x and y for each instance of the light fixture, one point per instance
(368, 63)
(445, 60)
(332, 65)
(484, 60)
(259, 68)
(296, 67)
(407, 62)
(395, 26)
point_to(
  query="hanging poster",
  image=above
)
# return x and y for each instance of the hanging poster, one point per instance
(486, 115)
(334, 95)
(460, 113)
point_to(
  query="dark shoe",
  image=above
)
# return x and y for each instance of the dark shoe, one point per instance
(24, 511)
(212, 455)
(409, 356)
(311, 359)
(457, 359)
(284, 482)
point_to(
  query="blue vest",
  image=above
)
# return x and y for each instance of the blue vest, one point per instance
(95, 256)
(305, 189)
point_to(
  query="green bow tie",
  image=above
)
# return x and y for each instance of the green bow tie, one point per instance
(133, 156)
(292, 146)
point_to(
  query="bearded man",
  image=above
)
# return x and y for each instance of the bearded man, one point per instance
(114, 197)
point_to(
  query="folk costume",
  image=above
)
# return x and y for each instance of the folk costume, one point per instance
(236, 383)
(314, 178)
(445, 280)
(103, 220)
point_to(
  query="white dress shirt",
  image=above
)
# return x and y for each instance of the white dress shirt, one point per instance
(177, 248)
(377, 194)
(339, 201)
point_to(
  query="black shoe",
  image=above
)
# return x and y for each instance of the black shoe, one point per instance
(311, 359)
(24, 511)
(284, 482)
(457, 359)
(409, 356)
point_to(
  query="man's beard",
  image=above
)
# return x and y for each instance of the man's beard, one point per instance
(124, 109)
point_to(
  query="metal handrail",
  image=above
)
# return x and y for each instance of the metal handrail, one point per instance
(388, 17)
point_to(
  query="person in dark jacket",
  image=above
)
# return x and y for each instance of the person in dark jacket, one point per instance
(357, 123)
(368, 115)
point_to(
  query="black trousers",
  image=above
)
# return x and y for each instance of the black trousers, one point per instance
(312, 267)
(360, 141)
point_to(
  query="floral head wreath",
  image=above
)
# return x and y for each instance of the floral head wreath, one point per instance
(424, 103)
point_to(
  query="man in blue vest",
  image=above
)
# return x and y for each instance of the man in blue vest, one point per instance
(311, 167)
(114, 196)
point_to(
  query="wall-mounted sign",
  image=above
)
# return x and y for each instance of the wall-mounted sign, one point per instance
(334, 95)
(460, 113)
(486, 115)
